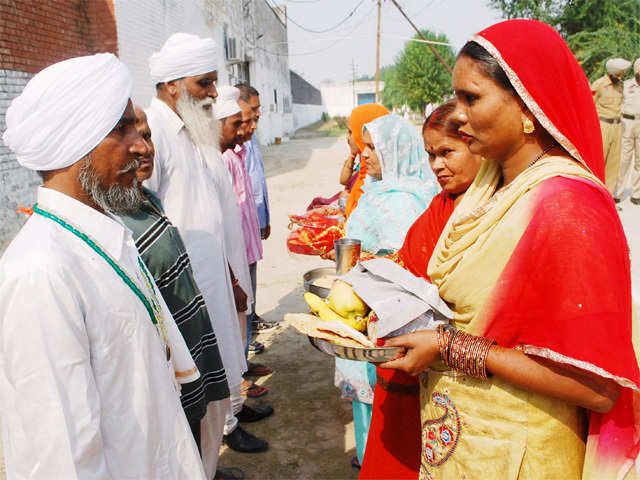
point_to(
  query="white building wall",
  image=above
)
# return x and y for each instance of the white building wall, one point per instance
(144, 25)
(268, 51)
(340, 99)
(304, 115)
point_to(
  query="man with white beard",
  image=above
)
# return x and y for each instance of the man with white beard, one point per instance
(185, 72)
(90, 354)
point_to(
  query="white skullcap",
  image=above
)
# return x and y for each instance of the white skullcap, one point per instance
(66, 110)
(183, 55)
(227, 102)
(617, 65)
(636, 66)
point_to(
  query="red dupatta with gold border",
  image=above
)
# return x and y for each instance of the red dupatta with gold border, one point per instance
(543, 264)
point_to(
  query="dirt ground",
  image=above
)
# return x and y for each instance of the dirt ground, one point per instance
(311, 432)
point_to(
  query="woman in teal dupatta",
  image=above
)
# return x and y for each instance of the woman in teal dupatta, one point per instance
(401, 190)
(398, 188)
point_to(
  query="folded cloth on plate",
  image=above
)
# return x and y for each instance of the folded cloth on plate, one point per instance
(402, 302)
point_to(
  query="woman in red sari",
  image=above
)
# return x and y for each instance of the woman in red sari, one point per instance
(393, 446)
(538, 378)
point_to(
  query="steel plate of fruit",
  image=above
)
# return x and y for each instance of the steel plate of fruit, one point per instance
(363, 354)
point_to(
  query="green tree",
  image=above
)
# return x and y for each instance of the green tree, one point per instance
(418, 78)
(595, 30)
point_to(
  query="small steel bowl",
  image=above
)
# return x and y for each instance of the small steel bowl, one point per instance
(363, 354)
(312, 275)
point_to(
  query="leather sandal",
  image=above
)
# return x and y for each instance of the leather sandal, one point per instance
(251, 390)
(258, 370)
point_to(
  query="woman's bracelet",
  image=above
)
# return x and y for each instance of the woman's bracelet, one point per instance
(464, 352)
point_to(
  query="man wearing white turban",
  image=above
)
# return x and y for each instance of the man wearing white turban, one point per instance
(185, 139)
(607, 95)
(91, 357)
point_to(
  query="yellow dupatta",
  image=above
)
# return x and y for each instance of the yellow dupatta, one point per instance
(482, 233)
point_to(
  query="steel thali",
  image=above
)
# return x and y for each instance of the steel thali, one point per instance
(362, 354)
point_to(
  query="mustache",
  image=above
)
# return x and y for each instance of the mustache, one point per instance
(205, 103)
(132, 166)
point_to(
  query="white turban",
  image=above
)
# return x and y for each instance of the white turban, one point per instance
(636, 66)
(227, 102)
(66, 110)
(183, 55)
(617, 65)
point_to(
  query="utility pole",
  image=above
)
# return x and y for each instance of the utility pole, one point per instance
(438, 56)
(378, 56)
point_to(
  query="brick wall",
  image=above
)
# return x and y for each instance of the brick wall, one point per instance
(33, 35)
(37, 33)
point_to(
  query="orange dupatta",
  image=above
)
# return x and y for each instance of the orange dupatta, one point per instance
(359, 117)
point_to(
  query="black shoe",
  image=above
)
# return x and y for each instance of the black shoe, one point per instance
(256, 347)
(253, 414)
(617, 200)
(635, 201)
(228, 474)
(242, 441)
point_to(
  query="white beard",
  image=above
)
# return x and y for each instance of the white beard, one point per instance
(198, 120)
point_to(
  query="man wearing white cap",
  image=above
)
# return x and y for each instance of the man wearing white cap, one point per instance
(630, 138)
(91, 357)
(185, 138)
(607, 95)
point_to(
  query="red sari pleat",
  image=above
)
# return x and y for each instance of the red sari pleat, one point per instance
(394, 442)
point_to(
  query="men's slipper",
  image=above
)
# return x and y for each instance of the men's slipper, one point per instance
(253, 391)
(257, 370)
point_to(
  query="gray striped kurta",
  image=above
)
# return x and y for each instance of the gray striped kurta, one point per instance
(164, 253)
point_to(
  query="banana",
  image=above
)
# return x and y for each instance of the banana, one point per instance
(343, 300)
(318, 306)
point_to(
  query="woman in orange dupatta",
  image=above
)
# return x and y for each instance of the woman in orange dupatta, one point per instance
(359, 117)
(539, 376)
(393, 445)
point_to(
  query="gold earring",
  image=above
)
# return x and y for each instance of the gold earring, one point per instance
(527, 125)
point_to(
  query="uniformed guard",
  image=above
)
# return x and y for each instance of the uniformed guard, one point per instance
(630, 138)
(607, 95)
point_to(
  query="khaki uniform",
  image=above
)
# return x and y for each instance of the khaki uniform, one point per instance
(630, 140)
(608, 100)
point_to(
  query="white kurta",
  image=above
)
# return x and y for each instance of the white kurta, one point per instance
(183, 182)
(234, 236)
(86, 391)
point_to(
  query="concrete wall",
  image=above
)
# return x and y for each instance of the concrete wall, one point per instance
(307, 102)
(268, 50)
(33, 35)
(340, 99)
(304, 115)
(303, 92)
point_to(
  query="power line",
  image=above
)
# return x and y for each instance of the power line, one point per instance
(348, 35)
(327, 29)
(423, 9)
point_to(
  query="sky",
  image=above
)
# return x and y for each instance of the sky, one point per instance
(318, 57)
